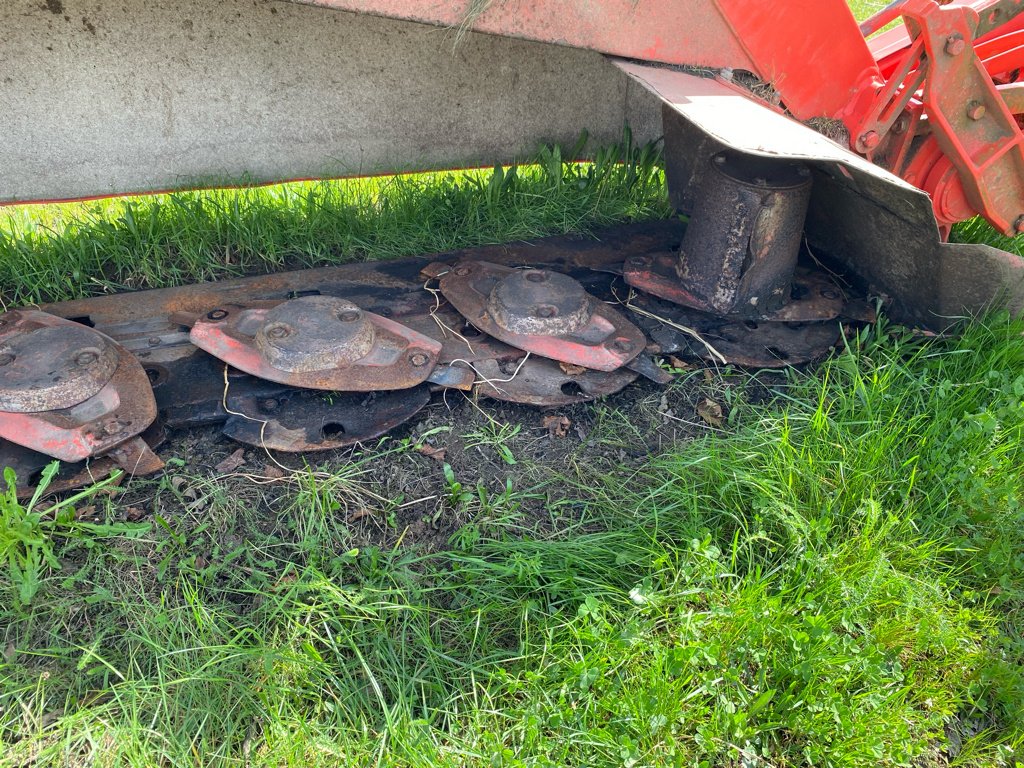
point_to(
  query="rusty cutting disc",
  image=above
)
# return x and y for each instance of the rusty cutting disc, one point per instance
(49, 367)
(540, 311)
(314, 421)
(317, 342)
(542, 382)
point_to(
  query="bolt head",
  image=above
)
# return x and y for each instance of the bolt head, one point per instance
(546, 311)
(86, 358)
(278, 331)
(869, 140)
(975, 110)
(418, 359)
(217, 314)
(269, 404)
(536, 276)
(955, 45)
(348, 316)
(114, 427)
(461, 271)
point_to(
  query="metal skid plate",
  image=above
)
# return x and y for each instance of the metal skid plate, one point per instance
(149, 333)
(317, 342)
(540, 311)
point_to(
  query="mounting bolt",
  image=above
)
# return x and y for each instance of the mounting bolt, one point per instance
(348, 316)
(217, 314)
(869, 140)
(86, 358)
(536, 276)
(418, 359)
(975, 110)
(154, 341)
(639, 262)
(546, 311)
(622, 345)
(113, 427)
(955, 44)
(901, 125)
(1018, 225)
(6, 359)
(829, 294)
(269, 405)
(278, 331)
(461, 271)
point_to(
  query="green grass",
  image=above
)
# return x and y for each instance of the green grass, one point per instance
(839, 581)
(61, 252)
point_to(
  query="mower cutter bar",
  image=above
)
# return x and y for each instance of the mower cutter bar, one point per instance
(192, 387)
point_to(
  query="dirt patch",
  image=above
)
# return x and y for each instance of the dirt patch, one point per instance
(460, 464)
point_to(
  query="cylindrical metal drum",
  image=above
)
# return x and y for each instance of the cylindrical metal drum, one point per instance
(742, 243)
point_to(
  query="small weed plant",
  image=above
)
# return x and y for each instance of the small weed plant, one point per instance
(32, 534)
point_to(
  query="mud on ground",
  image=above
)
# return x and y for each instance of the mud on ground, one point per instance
(459, 463)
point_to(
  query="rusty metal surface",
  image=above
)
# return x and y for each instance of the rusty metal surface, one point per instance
(121, 410)
(300, 421)
(317, 342)
(136, 458)
(742, 242)
(647, 366)
(28, 464)
(551, 316)
(107, 409)
(547, 383)
(48, 363)
(755, 344)
(497, 370)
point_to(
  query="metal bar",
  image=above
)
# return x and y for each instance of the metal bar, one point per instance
(670, 31)
(887, 15)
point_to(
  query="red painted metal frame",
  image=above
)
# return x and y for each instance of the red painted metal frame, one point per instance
(899, 97)
(796, 45)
